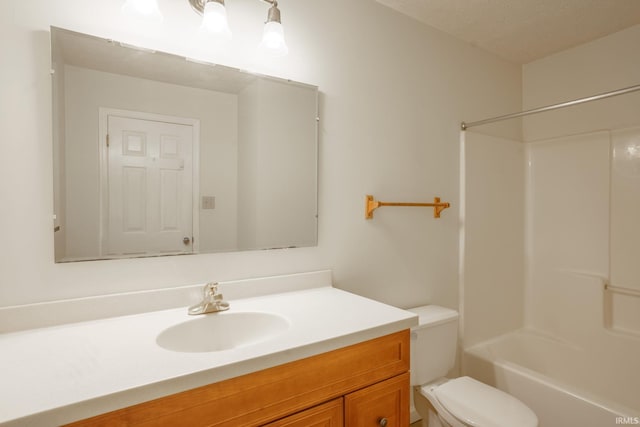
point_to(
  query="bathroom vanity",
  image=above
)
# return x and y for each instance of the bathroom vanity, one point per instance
(366, 384)
(290, 351)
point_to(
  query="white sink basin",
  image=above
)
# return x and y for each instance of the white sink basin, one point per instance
(222, 331)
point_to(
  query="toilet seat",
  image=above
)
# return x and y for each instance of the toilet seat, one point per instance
(467, 402)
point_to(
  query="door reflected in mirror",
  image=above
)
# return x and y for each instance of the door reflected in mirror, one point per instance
(157, 155)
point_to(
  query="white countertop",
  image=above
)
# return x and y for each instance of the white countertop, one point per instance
(59, 374)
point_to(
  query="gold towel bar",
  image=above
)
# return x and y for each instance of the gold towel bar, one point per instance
(371, 205)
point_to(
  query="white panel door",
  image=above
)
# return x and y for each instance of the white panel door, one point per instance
(149, 187)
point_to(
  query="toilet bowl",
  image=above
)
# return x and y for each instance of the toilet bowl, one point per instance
(457, 402)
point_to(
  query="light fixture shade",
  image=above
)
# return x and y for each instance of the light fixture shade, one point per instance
(273, 39)
(143, 9)
(214, 19)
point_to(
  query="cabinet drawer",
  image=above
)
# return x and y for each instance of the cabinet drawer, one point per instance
(326, 415)
(388, 400)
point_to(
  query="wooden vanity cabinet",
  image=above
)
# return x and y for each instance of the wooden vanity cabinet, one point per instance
(365, 384)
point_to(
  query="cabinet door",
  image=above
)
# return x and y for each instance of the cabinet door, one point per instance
(385, 404)
(326, 415)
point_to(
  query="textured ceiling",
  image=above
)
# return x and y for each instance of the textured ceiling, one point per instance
(522, 31)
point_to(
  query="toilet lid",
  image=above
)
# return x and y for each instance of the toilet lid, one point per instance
(478, 404)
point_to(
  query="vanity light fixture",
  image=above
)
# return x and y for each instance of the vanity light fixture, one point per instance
(214, 17)
(273, 35)
(214, 21)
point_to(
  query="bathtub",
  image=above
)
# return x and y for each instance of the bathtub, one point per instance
(563, 384)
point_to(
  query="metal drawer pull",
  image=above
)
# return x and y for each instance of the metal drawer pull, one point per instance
(382, 422)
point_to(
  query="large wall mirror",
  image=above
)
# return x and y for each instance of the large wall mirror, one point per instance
(156, 154)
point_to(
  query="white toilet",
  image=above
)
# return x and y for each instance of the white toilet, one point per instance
(459, 402)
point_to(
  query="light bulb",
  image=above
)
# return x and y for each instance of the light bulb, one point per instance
(273, 39)
(214, 19)
(143, 9)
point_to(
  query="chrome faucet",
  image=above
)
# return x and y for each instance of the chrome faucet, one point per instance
(211, 301)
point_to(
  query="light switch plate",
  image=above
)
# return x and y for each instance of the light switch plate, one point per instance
(208, 202)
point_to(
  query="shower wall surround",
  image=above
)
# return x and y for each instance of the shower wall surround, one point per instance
(493, 237)
(625, 208)
(562, 221)
(584, 193)
(389, 127)
(584, 188)
(568, 231)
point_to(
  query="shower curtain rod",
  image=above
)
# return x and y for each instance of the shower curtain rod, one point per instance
(465, 126)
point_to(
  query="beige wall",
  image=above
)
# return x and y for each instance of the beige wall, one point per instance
(393, 93)
(606, 64)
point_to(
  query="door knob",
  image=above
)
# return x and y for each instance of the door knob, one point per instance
(186, 240)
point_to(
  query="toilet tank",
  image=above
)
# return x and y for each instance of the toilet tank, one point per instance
(433, 343)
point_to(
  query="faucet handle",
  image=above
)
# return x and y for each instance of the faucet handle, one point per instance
(211, 301)
(210, 290)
